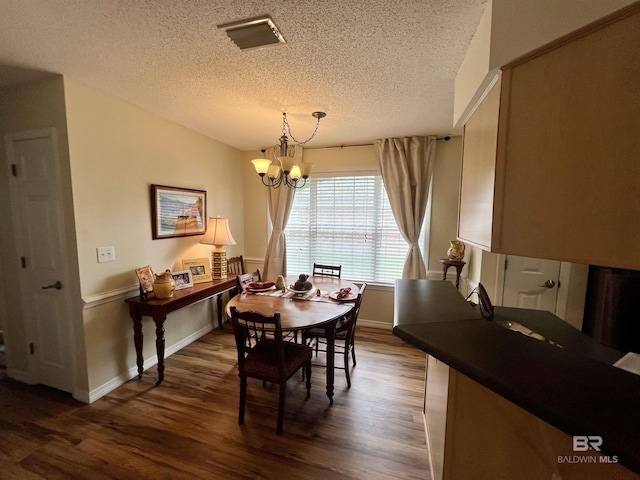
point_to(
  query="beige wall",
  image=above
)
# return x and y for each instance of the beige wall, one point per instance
(510, 29)
(116, 151)
(445, 194)
(111, 151)
(31, 106)
(474, 69)
(377, 308)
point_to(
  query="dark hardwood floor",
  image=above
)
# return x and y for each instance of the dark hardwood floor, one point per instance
(187, 428)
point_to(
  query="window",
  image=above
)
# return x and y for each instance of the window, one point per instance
(345, 221)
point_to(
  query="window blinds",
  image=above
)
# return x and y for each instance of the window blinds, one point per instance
(345, 221)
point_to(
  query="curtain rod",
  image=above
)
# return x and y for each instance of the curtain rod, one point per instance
(446, 138)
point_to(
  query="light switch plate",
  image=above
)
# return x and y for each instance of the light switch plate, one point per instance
(106, 254)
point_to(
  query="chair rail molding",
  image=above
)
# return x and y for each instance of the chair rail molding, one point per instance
(109, 296)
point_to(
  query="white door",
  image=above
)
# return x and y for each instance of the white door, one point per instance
(39, 231)
(531, 283)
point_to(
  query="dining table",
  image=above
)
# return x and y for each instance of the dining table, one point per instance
(318, 307)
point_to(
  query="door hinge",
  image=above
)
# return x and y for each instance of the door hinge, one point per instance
(506, 262)
(14, 170)
(558, 283)
(23, 262)
(32, 349)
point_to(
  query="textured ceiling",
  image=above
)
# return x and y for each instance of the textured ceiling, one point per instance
(377, 68)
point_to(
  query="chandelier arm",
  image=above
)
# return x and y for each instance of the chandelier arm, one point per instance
(271, 183)
(295, 183)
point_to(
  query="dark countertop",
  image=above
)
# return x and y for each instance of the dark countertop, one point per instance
(574, 388)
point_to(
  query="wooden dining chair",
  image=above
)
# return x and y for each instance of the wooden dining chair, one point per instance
(235, 265)
(344, 338)
(327, 270)
(243, 279)
(270, 359)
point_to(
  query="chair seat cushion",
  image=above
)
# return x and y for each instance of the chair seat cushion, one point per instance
(262, 361)
(320, 333)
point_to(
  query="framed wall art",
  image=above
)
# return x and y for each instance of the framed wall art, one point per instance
(200, 269)
(177, 212)
(183, 279)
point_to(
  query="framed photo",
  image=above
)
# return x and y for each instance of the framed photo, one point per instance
(200, 269)
(183, 279)
(177, 212)
(146, 278)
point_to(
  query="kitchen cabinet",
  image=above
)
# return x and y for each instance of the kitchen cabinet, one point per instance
(551, 154)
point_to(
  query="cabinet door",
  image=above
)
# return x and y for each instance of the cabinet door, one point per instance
(475, 216)
(569, 150)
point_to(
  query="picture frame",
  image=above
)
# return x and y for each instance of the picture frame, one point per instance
(183, 279)
(177, 212)
(200, 269)
(145, 277)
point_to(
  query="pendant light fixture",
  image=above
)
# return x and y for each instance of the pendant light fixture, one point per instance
(286, 171)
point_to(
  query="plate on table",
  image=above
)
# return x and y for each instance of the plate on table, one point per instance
(257, 287)
(349, 298)
(301, 292)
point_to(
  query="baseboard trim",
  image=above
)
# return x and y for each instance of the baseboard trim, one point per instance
(121, 379)
(363, 322)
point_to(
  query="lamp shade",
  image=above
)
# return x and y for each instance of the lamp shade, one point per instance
(273, 172)
(261, 165)
(305, 169)
(287, 163)
(295, 173)
(218, 232)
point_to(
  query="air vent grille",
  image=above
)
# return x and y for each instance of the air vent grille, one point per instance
(253, 33)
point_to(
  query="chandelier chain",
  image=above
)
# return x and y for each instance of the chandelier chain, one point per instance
(287, 129)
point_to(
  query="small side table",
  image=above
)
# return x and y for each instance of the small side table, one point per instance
(458, 264)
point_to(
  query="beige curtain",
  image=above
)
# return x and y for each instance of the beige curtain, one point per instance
(407, 165)
(279, 202)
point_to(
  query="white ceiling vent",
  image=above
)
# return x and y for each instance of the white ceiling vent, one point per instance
(253, 33)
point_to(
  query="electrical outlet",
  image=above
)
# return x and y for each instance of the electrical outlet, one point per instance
(106, 254)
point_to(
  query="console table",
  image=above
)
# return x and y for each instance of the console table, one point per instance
(159, 308)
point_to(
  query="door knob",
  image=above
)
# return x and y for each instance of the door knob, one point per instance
(57, 286)
(549, 284)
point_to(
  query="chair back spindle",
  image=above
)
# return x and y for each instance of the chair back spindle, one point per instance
(327, 270)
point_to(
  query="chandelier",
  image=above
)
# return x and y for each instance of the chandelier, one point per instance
(286, 171)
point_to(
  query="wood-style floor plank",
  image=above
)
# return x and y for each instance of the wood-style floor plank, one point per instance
(187, 428)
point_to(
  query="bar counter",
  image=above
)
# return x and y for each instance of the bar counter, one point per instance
(573, 386)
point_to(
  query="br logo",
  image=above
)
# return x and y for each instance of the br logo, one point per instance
(582, 443)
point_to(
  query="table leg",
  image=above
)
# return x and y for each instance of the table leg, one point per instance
(330, 332)
(137, 339)
(160, 346)
(458, 272)
(219, 308)
(444, 272)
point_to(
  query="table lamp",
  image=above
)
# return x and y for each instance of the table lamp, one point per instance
(218, 234)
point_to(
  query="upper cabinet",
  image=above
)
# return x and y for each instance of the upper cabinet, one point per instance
(551, 154)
